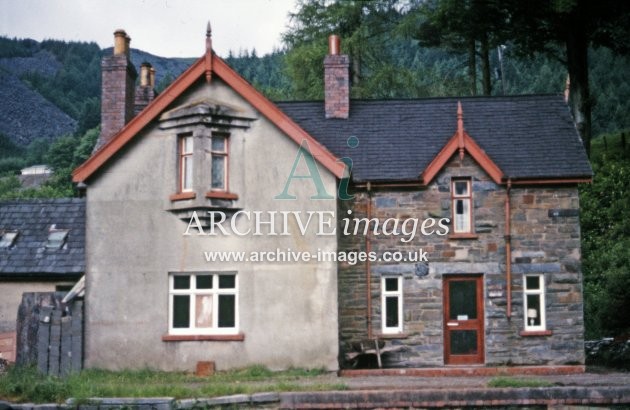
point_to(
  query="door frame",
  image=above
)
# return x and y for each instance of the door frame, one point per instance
(478, 324)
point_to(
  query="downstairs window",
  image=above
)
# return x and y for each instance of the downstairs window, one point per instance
(203, 304)
(534, 302)
(391, 304)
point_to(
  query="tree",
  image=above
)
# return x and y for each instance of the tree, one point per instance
(460, 26)
(365, 29)
(566, 29)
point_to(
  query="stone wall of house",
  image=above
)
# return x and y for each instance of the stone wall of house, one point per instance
(545, 239)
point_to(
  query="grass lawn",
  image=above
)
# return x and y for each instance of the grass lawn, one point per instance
(26, 385)
(517, 382)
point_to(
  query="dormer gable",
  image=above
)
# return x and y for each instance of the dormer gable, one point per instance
(462, 143)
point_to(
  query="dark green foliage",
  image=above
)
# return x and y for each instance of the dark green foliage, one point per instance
(61, 153)
(605, 223)
(75, 83)
(36, 151)
(13, 47)
(8, 148)
(11, 165)
(63, 156)
(265, 73)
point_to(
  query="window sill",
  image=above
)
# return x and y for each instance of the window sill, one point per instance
(385, 336)
(532, 333)
(182, 196)
(204, 338)
(463, 236)
(221, 195)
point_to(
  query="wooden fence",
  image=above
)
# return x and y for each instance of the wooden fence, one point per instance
(50, 333)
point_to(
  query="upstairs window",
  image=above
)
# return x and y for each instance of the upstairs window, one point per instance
(56, 238)
(534, 302)
(219, 151)
(461, 204)
(392, 304)
(7, 238)
(203, 304)
(186, 163)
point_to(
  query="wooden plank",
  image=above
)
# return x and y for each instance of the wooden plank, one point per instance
(55, 343)
(77, 336)
(43, 339)
(66, 346)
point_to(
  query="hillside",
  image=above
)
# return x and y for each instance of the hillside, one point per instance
(26, 114)
(52, 88)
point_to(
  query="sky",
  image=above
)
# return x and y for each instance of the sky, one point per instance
(167, 28)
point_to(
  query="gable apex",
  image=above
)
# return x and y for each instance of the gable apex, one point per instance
(461, 142)
(178, 87)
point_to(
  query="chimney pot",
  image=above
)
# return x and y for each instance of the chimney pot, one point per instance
(145, 74)
(127, 46)
(118, 78)
(152, 77)
(334, 45)
(120, 42)
(336, 81)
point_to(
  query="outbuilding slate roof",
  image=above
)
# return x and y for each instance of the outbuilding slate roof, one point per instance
(528, 137)
(33, 219)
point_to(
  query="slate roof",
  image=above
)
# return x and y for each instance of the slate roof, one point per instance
(29, 257)
(526, 136)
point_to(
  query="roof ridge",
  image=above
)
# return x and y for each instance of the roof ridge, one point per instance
(440, 98)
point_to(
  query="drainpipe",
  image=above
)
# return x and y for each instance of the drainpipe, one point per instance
(368, 249)
(508, 249)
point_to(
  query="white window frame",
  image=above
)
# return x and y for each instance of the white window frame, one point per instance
(541, 293)
(186, 157)
(468, 197)
(391, 293)
(193, 292)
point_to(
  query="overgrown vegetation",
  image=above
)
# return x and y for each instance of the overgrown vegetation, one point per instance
(605, 223)
(63, 156)
(512, 382)
(391, 58)
(26, 384)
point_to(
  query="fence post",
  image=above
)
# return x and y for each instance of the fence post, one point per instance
(55, 342)
(77, 336)
(43, 339)
(66, 345)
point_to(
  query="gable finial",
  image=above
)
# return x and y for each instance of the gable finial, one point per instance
(460, 129)
(208, 56)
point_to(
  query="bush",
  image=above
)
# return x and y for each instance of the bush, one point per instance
(11, 165)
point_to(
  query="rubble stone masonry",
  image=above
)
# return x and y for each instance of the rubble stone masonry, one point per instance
(545, 236)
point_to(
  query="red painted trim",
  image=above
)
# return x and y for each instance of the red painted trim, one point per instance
(181, 196)
(460, 371)
(133, 127)
(204, 338)
(221, 195)
(471, 205)
(276, 116)
(181, 84)
(182, 157)
(463, 236)
(475, 151)
(526, 333)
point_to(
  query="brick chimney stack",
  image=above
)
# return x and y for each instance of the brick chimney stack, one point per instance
(118, 86)
(336, 81)
(145, 92)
